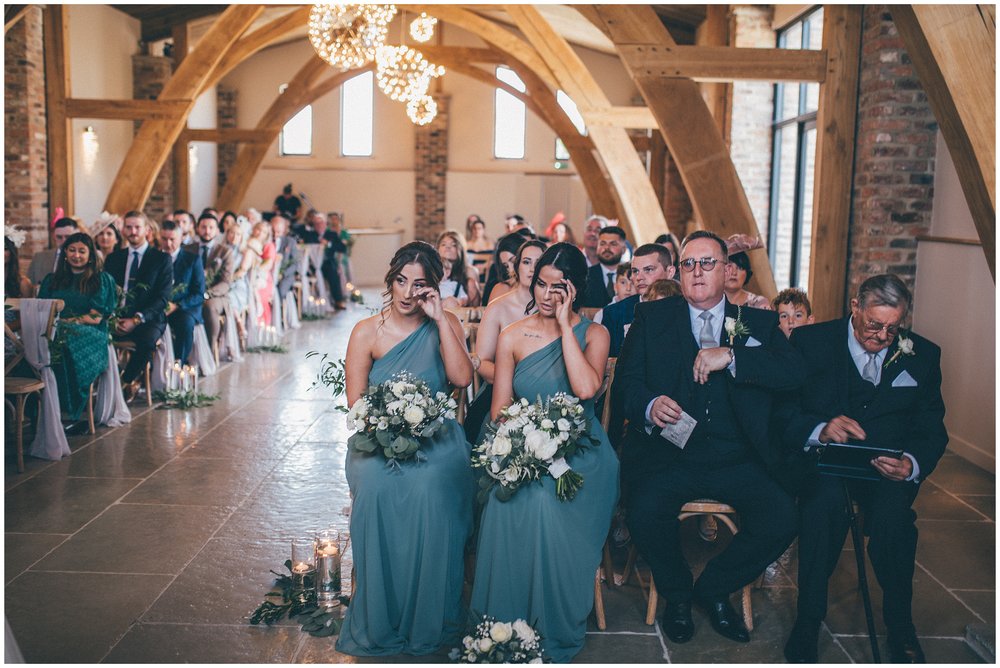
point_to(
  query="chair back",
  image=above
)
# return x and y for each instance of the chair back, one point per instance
(55, 307)
(609, 379)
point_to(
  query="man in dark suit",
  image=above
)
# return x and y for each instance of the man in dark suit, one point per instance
(650, 263)
(145, 276)
(601, 277)
(699, 358)
(188, 294)
(219, 262)
(287, 247)
(866, 380)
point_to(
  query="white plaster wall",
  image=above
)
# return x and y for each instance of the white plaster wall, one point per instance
(204, 183)
(955, 306)
(102, 42)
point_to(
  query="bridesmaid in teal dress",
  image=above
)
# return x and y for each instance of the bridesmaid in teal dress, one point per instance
(537, 555)
(80, 353)
(409, 527)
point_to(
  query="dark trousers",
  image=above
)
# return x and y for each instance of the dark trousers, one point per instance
(182, 330)
(889, 521)
(332, 276)
(767, 526)
(144, 336)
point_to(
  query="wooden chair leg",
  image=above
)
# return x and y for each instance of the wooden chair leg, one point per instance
(602, 622)
(651, 605)
(19, 426)
(608, 565)
(149, 385)
(747, 609)
(629, 564)
(90, 409)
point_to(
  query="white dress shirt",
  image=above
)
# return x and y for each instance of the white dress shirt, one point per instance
(141, 250)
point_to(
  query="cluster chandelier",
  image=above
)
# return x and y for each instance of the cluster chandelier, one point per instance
(350, 36)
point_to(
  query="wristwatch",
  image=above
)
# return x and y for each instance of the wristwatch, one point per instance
(138, 318)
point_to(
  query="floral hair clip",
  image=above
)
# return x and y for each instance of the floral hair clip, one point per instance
(14, 234)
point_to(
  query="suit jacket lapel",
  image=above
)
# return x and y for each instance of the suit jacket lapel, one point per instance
(891, 372)
(688, 346)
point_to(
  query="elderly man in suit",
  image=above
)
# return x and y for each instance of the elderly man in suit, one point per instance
(188, 294)
(44, 262)
(287, 247)
(219, 263)
(611, 247)
(145, 277)
(697, 377)
(867, 380)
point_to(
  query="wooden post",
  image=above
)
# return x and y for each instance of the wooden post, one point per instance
(834, 171)
(181, 161)
(57, 89)
(715, 32)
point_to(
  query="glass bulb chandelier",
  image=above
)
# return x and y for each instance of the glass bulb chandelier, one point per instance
(347, 36)
(422, 27)
(422, 110)
(403, 74)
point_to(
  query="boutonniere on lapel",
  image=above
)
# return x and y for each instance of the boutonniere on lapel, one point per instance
(904, 346)
(735, 327)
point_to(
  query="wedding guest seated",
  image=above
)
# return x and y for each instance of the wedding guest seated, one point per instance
(670, 242)
(459, 286)
(185, 219)
(188, 294)
(262, 271)
(409, 524)
(794, 309)
(335, 222)
(153, 234)
(44, 262)
(739, 273)
(678, 360)
(145, 276)
(663, 288)
(601, 277)
(591, 230)
(332, 244)
(107, 238)
(288, 252)
(500, 277)
(239, 287)
(623, 288)
(479, 246)
(502, 311)
(652, 262)
(79, 352)
(228, 219)
(219, 264)
(15, 286)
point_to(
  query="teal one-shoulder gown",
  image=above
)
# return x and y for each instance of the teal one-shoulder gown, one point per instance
(537, 555)
(409, 527)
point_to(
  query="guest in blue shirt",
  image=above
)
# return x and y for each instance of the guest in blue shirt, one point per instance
(188, 294)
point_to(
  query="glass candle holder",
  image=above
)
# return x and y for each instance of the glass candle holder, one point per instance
(303, 564)
(328, 550)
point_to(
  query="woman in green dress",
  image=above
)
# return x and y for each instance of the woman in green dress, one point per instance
(409, 525)
(537, 555)
(80, 349)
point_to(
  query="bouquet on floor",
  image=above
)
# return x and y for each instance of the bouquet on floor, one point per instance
(395, 415)
(531, 440)
(500, 642)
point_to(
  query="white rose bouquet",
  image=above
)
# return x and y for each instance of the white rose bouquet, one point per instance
(500, 642)
(530, 440)
(394, 415)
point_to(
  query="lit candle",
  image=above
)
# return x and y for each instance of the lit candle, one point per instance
(184, 376)
(194, 377)
(175, 376)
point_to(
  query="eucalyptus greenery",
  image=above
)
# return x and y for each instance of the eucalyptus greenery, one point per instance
(268, 349)
(184, 400)
(306, 317)
(332, 374)
(299, 605)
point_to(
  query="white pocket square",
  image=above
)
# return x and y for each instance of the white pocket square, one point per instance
(752, 342)
(904, 380)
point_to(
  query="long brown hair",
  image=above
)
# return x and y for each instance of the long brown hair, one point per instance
(88, 282)
(12, 279)
(459, 270)
(421, 253)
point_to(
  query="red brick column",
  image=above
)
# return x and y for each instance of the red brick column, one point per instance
(431, 170)
(149, 74)
(894, 163)
(26, 180)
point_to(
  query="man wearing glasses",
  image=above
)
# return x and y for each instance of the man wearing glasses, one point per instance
(871, 381)
(697, 375)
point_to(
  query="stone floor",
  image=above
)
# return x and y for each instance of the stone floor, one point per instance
(152, 543)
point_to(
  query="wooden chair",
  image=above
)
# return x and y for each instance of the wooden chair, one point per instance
(19, 387)
(606, 563)
(125, 349)
(471, 331)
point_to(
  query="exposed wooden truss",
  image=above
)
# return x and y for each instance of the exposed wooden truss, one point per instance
(57, 89)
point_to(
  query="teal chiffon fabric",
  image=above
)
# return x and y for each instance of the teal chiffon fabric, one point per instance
(537, 555)
(409, 527)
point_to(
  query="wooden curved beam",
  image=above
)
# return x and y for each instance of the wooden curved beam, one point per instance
(156, 136)
(303, 89)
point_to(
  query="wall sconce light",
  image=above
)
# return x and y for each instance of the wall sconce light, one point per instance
(91, 147)
(192, 158)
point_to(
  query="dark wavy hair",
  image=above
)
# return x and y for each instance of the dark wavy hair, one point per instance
(568, 259)
(533, 243)
(12, 281)
(419, 252)
(89, 282)
(509, 243)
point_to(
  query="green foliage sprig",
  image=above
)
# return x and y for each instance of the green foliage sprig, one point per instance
(299, 605)
(183, 400)
(332, 374)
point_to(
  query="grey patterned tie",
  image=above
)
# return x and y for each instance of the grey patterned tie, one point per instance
(706, 339)
(870, 371)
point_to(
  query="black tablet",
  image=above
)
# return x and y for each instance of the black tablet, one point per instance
(852, 460)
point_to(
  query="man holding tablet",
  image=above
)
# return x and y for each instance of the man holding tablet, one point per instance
(869, 382)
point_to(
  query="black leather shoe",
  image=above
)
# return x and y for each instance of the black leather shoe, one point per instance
(803, 643)
(904, 647)
(76, 428)
(725, 621)
(676, 622)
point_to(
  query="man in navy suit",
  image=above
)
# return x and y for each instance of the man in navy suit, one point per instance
(188, 295)
(697, 377)
(650, 263)
(145, 277)
(867, 380)
(611, 247)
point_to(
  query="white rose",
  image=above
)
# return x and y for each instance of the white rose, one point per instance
(548, 424)
(537, 659)
(383, 424)
(906, 345)
(500, 632)
(514, 409)
(485, 644)
(533, 440)
(398, 388)
(730, 326)
(524, 630)
(501, 446)
(511, 474)
(548, 450)
(414, 415)
(563, 424)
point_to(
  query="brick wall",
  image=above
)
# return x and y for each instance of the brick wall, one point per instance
(894, 159)
(752, 112)
(225, 110)
(431, 169)
(26, 191)
(149, 74)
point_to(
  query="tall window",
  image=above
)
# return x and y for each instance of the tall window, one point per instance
(357, 120)
(794, 160)
(296, 135)
(508, 131)
(569, 106)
